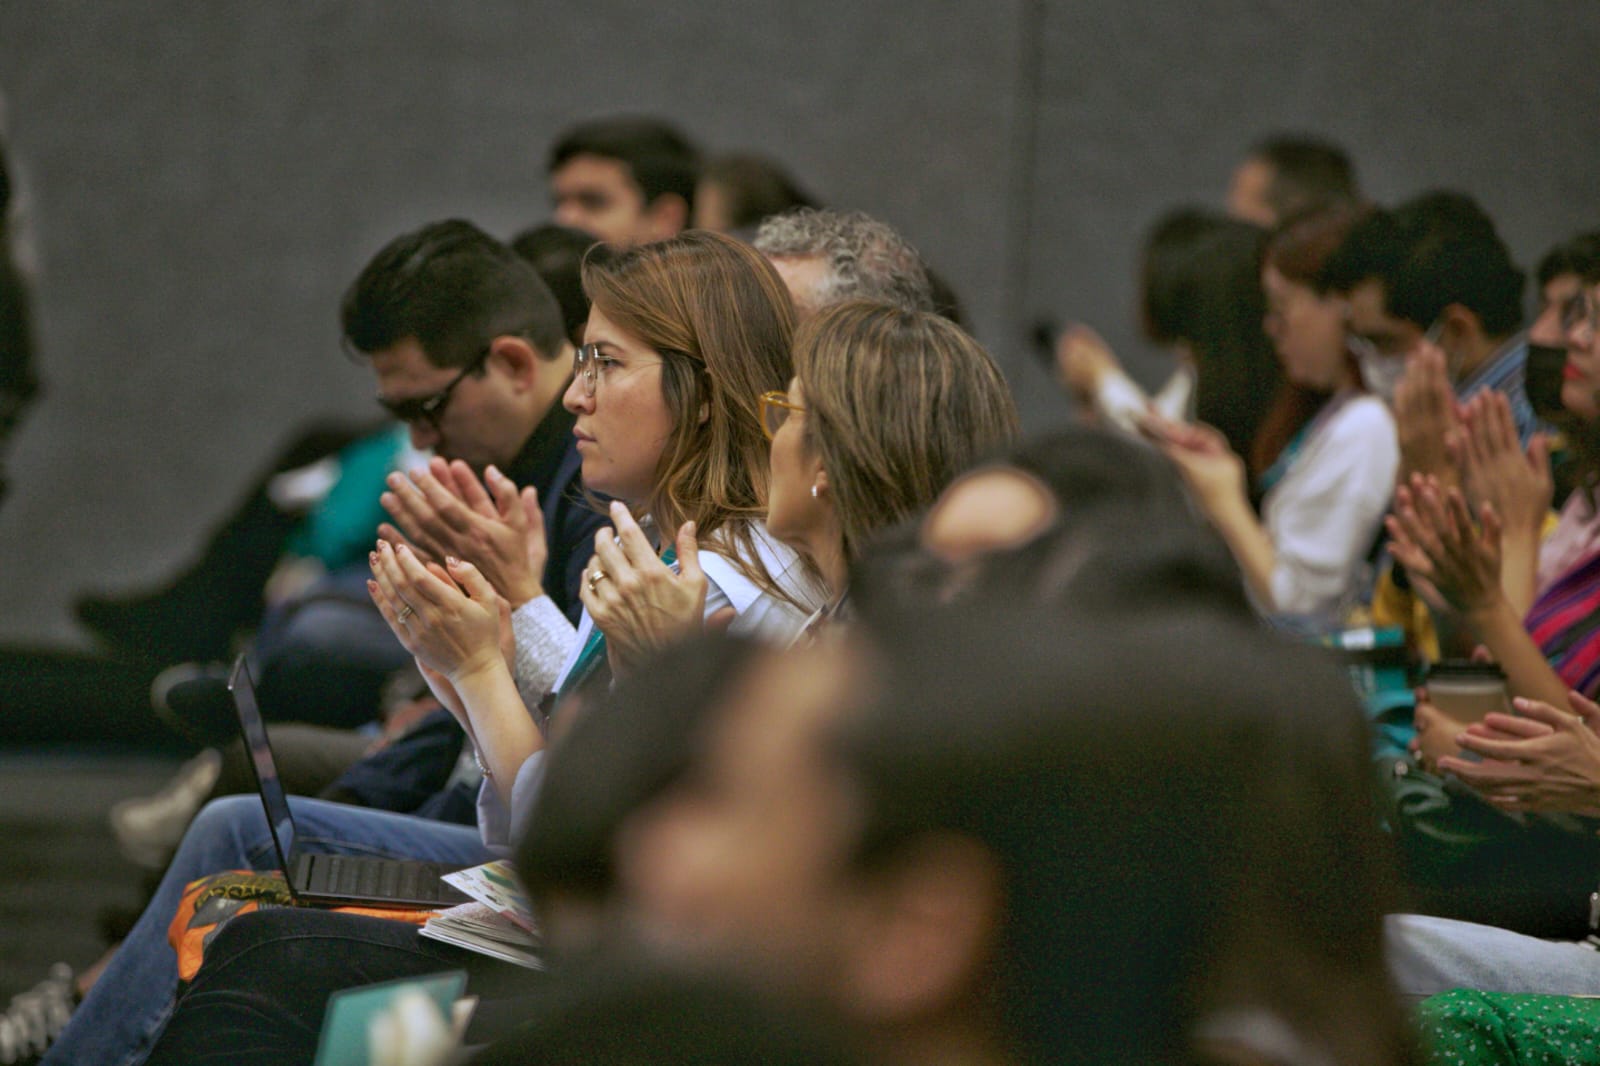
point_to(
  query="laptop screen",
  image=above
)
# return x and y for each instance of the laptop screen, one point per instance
(255, 741)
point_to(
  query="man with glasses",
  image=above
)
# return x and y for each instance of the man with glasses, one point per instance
(1433, 276)
(469, 351)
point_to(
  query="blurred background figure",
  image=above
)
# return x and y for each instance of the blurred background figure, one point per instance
(1288, 174)
(737, 192)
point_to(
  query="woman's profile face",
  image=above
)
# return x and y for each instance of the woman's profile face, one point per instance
(1580, 385)
(623, 427)
(1308, 331)
(792, 511)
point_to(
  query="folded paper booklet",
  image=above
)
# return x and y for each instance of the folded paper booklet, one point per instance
(499, 923)
(479, 928)
(495, 885)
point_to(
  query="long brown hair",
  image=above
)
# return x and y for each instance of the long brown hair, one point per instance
(1298, 249)
(721, 319)
(897, 404)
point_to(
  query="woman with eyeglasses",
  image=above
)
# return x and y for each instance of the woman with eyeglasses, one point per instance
(683, 335)
(1328, 450)
(886, 408)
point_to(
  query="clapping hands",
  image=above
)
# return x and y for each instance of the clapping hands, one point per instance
(444, 511)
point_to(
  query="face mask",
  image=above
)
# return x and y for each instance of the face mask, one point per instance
(1380, 373)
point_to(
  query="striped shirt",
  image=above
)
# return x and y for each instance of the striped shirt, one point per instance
(1506, 371)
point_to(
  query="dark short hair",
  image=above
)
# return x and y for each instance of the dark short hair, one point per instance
(657, 154)
(452, 288)
(556, 255)
(1578, 255)
(1430, 252)
(1307, 173)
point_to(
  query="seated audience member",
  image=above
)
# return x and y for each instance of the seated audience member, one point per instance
(1201, 297)
(1551, 657)
(623, 180)
(1535, 870)
(1287, 175)
(267, 975)
(679, 332)
(886, 406)
(419, 314)
(971, 894)
(1331, 446)
(738, 192)
(556, 255)
(320, 660)
(826, 257)
(1433, 277)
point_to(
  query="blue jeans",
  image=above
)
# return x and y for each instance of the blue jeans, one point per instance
(119, 1021)
(325, 657)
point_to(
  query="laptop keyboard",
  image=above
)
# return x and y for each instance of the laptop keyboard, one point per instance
(343, 875)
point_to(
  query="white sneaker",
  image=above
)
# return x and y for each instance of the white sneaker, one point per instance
(149, 828)
(36, 1017)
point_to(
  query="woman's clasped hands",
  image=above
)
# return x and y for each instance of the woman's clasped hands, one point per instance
(637, 600)
(448, 616)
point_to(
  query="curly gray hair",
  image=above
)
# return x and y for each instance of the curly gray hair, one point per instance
(865, 258)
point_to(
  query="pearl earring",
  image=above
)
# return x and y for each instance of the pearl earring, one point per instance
(813, 492)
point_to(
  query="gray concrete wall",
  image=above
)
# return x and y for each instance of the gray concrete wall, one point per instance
(206, 178)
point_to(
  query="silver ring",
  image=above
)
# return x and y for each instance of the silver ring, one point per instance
(596, 576)
(406, 611)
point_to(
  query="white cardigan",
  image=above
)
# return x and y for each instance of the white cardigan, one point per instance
(1322, 517)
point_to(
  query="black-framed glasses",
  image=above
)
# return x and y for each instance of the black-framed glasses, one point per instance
(1583, 308)
(430, 408)
(775, 410)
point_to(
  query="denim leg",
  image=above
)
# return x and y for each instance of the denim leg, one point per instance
(324, 660)
(119, 1020)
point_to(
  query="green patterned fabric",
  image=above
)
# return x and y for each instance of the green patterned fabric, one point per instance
(1467, 1028)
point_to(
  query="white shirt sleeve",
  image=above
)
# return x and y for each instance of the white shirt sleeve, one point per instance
(1322, 517)
(544, 640)
(760, 615)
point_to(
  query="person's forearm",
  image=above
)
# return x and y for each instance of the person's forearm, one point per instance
(1519, 570)
(501, 727)
(1528, 673)
(1250, 544)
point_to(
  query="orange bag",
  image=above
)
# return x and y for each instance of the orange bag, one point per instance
(211, 902)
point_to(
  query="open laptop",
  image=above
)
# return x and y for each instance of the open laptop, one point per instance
(338, 880)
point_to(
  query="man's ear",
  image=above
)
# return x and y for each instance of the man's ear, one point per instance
(1458, 325)
(516, 358)
(923, 934)
(668, 214)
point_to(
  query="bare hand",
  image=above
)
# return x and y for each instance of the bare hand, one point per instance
(1211, 469)
(445, 511)
(1495, 469)
(1082, 359)
(639, 603)
(1543, 759)
(1425, 416)
(1436, 734)
(449, 620)
(1433, 537)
